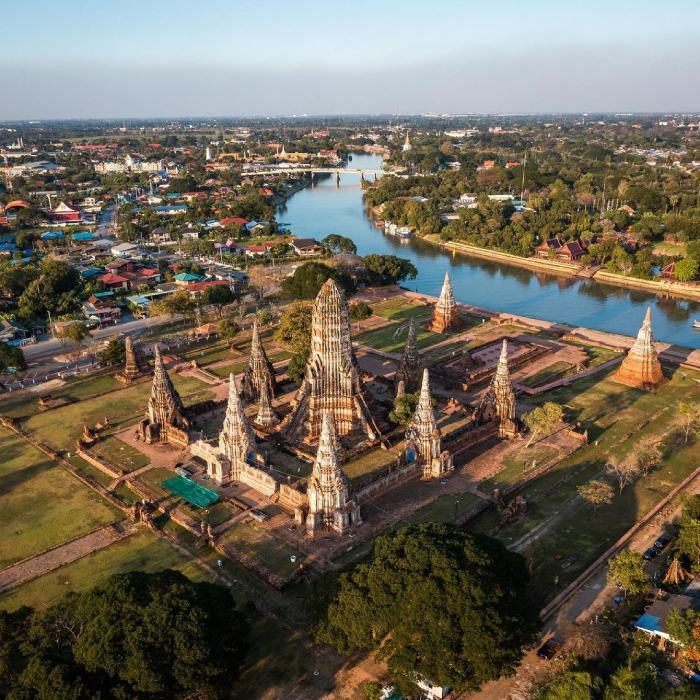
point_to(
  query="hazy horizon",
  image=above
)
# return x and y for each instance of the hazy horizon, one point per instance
(243, 59)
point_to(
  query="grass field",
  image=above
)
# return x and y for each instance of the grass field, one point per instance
(371, 462)
(118, 453)
(571, 538)
(258, 543)
(42, 505)
(141, 551)
(596, 354)
(516, 465)
(61, 427)
(557, 370)
(442, 509)
(392, 338)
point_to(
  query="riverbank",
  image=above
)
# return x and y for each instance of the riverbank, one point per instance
(554, 267)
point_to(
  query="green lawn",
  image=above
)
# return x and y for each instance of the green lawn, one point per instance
(61, 427)
(610, 412)
(392, 338)
(371, 462)
(225, 370)
(153, 478)
(141, 551)
(442, 509)
(596, 354)
(257, 543)
(42, 505)
(557, 370)
(401, 309)
(118, 453)
(516, 465)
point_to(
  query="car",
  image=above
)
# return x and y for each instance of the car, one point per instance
(550, 648)
(662, 542)
(650, 554)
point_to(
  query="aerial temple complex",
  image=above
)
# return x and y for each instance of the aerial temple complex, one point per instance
(641, 368)
(423, 437)
(165, 421)
(446, 317)
(258, 371)
(410, 369)
(332, 383)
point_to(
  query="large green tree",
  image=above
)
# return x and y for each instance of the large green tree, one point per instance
(295, 331)
(308, 279)
(389, 269)
(11, 357)
(436, 601)
(136, 635)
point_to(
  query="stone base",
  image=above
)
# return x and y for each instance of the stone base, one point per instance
(128, 379)
(640, 375)
(440, 324)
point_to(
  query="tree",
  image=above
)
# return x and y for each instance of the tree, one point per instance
(114, 353)
(624, 469)
(572, 685)
(389, 269)
(228, 330)
(135, 635)
(265, 316)
(688, 541)
(176, 304)
(686, 269)
(413, 598)
(684, 628)
(76, 333)
(307, 280)
(295, 332)
(404, 408)
(630, 682)
(339, 244)
(542, 419)
(589, 640)
(626, 569)
(688, 417)
(648, 453)
(11, 357)
(597, 493)
(259, 282)
(360, 311)
(218, 295)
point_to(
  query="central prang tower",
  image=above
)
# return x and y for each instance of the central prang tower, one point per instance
(332, 383)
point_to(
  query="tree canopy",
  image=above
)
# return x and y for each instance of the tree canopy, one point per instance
(135, 635)
(307, 280)
(435, 601)
(389, 269)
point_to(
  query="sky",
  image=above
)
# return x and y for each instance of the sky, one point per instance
(171, 58)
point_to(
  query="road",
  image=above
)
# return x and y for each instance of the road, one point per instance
(105, 225)
(53, 347)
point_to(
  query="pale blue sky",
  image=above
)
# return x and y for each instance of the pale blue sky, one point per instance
(150, 58)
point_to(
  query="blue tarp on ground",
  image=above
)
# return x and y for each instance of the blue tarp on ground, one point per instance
(191, 491)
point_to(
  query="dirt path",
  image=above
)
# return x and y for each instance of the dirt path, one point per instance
(66, 553)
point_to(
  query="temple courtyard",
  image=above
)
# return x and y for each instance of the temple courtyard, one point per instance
(306, 476)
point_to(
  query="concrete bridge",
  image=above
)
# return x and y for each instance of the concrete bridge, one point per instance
(311, 169)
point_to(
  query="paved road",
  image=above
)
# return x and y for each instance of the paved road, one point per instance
(105, 224)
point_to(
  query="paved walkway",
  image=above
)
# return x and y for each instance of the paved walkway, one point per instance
(63, 554)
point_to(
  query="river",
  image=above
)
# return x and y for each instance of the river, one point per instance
(318, 211)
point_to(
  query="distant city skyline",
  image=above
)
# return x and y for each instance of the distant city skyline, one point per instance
(168, 59)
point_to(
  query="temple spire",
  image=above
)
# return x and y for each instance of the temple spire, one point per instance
(446, 317)
(332, 382)
(236, 440)
(164, 399)
(641, 367)
(423, 436)
(498, 402)
(328, 490)
(258, 371)
(133, 368)
(409, 369)
(266, 415)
